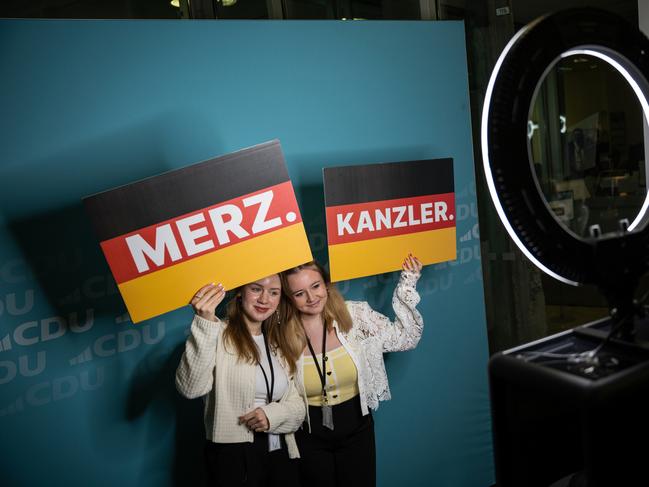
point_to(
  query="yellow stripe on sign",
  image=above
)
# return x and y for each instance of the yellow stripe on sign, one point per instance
(369, 257)
(173, 287)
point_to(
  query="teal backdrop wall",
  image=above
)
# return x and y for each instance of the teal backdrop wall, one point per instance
(86, 397)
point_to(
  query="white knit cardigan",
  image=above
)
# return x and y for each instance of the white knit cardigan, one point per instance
(207, 368)
(372, 335)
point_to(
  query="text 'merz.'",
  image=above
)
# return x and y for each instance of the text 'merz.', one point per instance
(232, 219)
(378, 213)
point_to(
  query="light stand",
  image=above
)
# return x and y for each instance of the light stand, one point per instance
(571, 409)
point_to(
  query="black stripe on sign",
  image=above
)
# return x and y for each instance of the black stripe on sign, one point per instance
(348, 185)
(168, 195)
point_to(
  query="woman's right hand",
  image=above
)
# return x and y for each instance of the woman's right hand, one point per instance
(207, 299)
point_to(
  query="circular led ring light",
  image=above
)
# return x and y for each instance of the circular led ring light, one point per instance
(520, 69)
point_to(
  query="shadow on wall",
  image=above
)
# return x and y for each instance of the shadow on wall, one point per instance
(64, 257)
(311, 201)
(43, 212)
(67, 316)
(41, 201)
(152, 397)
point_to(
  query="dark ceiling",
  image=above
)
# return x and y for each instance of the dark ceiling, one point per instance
(522, 10)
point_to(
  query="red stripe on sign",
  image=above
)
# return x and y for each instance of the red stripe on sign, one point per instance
(375, 219)
(200, 232)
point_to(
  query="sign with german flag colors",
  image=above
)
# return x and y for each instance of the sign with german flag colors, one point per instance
(232, 219)
(379, 213)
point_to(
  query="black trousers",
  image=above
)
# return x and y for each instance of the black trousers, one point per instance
(344, 457)
(250, 464)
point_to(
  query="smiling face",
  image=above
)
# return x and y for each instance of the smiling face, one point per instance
(308, 291)
(259, 299)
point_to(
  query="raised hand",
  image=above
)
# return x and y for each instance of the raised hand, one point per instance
(207, 299)
(412, 264)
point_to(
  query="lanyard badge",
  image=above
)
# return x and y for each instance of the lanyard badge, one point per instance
(327, 413)
(273, 439)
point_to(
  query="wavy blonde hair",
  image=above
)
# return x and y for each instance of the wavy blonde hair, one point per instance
(294, 337)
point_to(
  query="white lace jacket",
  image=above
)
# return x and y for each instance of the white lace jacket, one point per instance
(373, 334)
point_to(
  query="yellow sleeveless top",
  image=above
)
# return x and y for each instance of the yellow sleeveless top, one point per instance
(342, 378)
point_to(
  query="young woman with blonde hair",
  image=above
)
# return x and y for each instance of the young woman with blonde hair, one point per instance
(338, 346)
(246, 378)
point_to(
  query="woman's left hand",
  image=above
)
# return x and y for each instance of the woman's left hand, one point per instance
(255, 420)
(412, 264)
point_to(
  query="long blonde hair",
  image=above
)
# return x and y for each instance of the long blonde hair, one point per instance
(335, 310)
(237, 334)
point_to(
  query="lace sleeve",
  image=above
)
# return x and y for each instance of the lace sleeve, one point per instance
(405, 332)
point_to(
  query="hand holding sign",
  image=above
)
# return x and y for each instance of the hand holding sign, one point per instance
(412, 264)
(207, 299)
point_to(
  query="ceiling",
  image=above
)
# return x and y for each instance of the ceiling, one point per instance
(523, 10)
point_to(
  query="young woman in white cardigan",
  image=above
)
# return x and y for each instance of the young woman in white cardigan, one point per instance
(339, 348)
(252, 406)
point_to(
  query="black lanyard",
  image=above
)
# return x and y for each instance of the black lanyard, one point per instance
(269, 390)
(321, 372)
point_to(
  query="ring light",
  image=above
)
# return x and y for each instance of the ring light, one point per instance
(613, 261)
